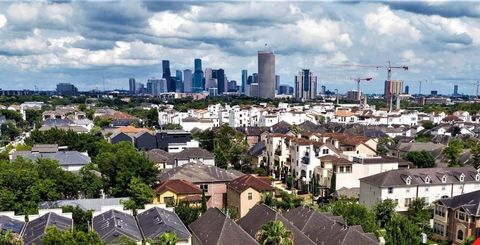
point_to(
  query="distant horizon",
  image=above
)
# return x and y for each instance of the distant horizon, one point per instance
(76, 42)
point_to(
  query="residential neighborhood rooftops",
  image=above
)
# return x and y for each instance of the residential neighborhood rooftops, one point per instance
(113, 224)
(423, 176)
(156, 221)
(194, 152)
(35, 229)
(215, 228)
(249, 181)
(64, 158)
(200, 173)
(470, 202)
(178, 186)
(8, 223)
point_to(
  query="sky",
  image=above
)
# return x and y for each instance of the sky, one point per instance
(95, 43)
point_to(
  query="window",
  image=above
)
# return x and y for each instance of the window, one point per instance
(204, 187)
(390, 190)
(440, 211)
(348, 169)
(408, 190)
(460, 235)
(396, 202)
(250, 196)
(427, 180)
(325, 151)
(407, 202)
(461, 215)
(438, 229)
(408, 180)
(444, 179)
(477, 177)
(462, 177)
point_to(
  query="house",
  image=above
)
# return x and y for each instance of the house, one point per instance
(256, 154)
(161, 158)
(245, 192)
(262, 214)
(213, 180)
(167, 160)
(145, 141)
(457, 218)
(324, 228)
(12, 224)
(36, 228)
(68, 160)
(189, 123)
(156, 221)
(174, 191)
(113, 225)
(120, 137)
(405, 185)
(167, 137)
(215, 228)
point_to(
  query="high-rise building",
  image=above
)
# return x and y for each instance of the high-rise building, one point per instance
(277, 82)
(209, 81)
(221, 80)
(305, 85)
(266, 74)
(254, 90)
(455, 89)
(132, 88)
(232, 86)
(168, 76)
(179, 75)
(354, 95)
(254, 78)
(140, 88)
(244, 80)
(407, 89)
(434, 92)
(197, 84)
(67, 89)
(283, 89)
(187, 81)
(157, 86)
(323, 89)
(392, 88)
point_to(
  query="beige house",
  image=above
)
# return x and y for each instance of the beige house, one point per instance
(245, 192)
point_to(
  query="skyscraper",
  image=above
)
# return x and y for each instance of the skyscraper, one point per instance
(455, 89)
(277, 82)
(131, 86)
(209, 81)
(266, 74)
(168, 76)
(407, 89)
(305, 85)
(221, 80)
(323, 89)
(244, 80)
(187, 81)
(157, 86)
(67, 89)
(197, 83)
(392, 89)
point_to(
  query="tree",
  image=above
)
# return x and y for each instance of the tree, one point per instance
(469, 240)
(121, 162)
(91, 183)
(53, 236)
(452, 152)
(204, 202)
(384, 211)
(274, 233)
(475, 158)
(402, 231)
(269, 200)
(353, 213)
(186, 213)
(230, 147)
(419, 212)
(102, 122)
(139, 193)
(289, 201)
(10, 238)
(333, 183)
(167, 238)
(315, 186)
(80, 218)
(428, 124)
(296, 129)
(421, 159)
(9, 131)
(206, 139)
(172, 126)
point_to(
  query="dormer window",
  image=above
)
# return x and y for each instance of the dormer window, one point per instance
(408, 181)
(477, 177)
(427, 180)
(462, 177)
(444, 179)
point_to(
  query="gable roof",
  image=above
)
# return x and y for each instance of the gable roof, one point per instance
(156, 221)
(213, 228)
(324, 228)
(159, 155)
(178, 186)
(262, 214)
(7, 223)
(418, 176)
(35, 229)
(193, 152)
(470, 202)
(257, 149)
(64, 158)
(113, 224)
(249, 181)
(200, 173)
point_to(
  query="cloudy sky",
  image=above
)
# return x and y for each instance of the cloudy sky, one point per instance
(88, 42)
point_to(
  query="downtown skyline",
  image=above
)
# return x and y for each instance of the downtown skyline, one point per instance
(78, 43)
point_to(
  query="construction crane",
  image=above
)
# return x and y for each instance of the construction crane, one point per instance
(420, 86)
(358, 80)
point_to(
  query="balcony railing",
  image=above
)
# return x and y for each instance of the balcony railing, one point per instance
(306, 159)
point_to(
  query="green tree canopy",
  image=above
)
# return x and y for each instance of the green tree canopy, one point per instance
(139, 193)
(475, 157)
(274, 233)
(421, 159)
(54, 236)
(121, 162)
(167, 238)
(402, 231)
(230, 147)
(452, 152)
(384, 211)
(81, 218)
(186, 213)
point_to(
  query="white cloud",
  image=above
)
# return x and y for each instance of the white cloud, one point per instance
(387, 23)
(3, 21)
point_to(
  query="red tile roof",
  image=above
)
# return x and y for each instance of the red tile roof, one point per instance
(250, 181)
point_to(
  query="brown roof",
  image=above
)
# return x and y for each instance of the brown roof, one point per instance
(181, 187)
(160, 156)
(131, 130)
(344, 113)
(249, 181)
(215, 228)
(335, 160)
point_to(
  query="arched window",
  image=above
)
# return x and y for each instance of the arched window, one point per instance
(408, 181)
(462, 177)
(460, 235)
(477, 177)
(427, 180)
(444, 179)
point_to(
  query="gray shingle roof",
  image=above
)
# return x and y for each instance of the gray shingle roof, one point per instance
(323, 228)
(156, 221)
(64, 158)
(35, 229)
(7, 223)
(470, 202)
(200, 173)
(194, 152)
(419, 176)
(262, 214)
(113, 224)
(94, 204)
(213, 228)
(257, 149)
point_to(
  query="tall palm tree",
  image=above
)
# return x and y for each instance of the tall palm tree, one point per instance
(274, 233)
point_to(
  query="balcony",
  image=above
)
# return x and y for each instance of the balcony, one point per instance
(278, 151)
(306, 159)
